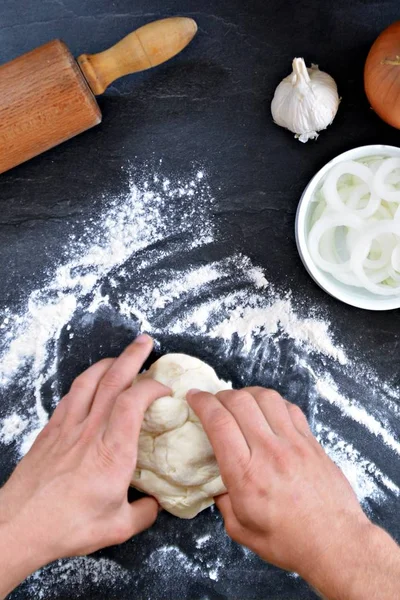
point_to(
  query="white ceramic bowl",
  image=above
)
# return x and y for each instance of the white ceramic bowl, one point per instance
(354, 296)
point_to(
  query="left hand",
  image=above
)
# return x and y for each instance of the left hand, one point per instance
(68, 495)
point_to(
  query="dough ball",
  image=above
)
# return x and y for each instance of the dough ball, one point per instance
(165, 414)
(176, 463)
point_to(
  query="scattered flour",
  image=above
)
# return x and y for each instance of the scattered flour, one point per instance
(353, 409)
(248, 321)
(201, 541)
(76, 575)
(214, 568)
(12, 427)
(172, 560)
(131, 226)
(366, 479)
(171, 557)
(226, 302)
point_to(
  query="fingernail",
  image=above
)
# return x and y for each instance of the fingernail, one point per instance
(143, 338)
(192, 392)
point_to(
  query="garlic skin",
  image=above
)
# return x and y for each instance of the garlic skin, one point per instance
(306, 101)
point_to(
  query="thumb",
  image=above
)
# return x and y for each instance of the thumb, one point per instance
(223, 503)
(143, 512)
(232, 526)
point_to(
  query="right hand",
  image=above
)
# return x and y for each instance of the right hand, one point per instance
(286, 499)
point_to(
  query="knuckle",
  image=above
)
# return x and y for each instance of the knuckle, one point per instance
(68, 396)
(260, 488)
(296, 411)
(255, 389)
(220, 421)
(281, 464)
(106, 362)
(251, 476)
(67, 438)
(200, 399)
(79, 384)
(272, 396)
(129, 402)
(241, 467)
(150, 388)
(302, 449)
(239, 394)
(111, 381)
(236, 398)
(88, 431)
(124, 401)
(280, 456)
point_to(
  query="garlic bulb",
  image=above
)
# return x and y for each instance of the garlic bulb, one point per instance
(306, 101)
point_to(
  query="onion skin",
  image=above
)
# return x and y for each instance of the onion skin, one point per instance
(382, 75)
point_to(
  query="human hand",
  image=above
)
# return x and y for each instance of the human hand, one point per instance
(68, 495)
(286, 500)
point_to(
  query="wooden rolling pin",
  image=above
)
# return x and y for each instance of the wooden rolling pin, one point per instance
(46, 98)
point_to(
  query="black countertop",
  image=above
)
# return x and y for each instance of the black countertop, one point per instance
(210, 106)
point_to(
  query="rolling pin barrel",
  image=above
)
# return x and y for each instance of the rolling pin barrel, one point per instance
(45, 98)
(44, 101)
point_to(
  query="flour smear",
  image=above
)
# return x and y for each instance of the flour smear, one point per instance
(140, 266)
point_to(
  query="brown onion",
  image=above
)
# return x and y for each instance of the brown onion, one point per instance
(382, 75)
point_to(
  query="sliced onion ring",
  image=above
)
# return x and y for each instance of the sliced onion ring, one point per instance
(333, 197)
(386, 243)
(358, 192)
(395, 259)
(382, 189)
(323, 225)
(348, 279)
(378, 276)
(394, 274)
(383, 213)
(360, 253)
(372, 241)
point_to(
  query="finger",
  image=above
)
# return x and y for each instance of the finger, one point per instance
(230, 447)
(121, 435)
(274, 408)
(298, 419)
(143, 514)
(120, 376)
(75, 406)
(248, 415)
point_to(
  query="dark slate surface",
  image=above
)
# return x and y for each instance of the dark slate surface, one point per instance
(210, 105)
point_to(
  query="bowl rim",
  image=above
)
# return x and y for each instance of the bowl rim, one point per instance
(320, 278)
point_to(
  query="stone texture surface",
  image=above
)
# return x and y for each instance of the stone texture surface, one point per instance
(208, 105)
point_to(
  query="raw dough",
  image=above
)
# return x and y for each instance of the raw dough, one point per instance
(176, 463)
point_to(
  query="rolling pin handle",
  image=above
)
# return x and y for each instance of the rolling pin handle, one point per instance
(142, 49)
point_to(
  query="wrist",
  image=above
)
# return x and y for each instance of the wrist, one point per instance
(20, 555)
(332, 568)
(353, 565)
